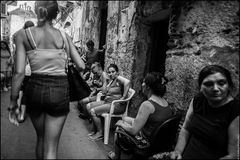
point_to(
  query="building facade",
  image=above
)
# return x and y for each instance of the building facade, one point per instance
(176, 38)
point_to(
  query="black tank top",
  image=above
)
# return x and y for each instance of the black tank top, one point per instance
(208, 128)
(156, 118)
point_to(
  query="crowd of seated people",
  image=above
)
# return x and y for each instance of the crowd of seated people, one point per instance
(211, 126)
(96, 82)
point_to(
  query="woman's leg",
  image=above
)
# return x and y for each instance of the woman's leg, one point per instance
(53, 129)
(89, 106)
(38, 123)
(96, 120)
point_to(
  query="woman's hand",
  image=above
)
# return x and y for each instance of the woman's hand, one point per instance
(175, 155)
(13, 113)
(119, 123)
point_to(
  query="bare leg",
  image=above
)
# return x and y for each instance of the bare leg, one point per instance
(97, 121)
(38, 123)
(53, 129)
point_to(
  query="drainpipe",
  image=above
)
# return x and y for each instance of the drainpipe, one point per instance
(118, 21)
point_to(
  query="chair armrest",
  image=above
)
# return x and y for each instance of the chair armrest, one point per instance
(121, 132)
(132, 140)
(116, 101)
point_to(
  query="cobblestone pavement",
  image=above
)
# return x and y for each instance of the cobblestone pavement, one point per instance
(19, 142)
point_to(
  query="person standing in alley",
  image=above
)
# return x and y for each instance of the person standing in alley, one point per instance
(6, 63)
(47, 92)
(22, 97)
(91, 55)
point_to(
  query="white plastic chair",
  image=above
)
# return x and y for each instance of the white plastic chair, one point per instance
(108, 116)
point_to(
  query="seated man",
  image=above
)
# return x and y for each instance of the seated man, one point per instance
(97, 82)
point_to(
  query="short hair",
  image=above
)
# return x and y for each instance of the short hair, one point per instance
(157, 82)
(113, 66)
(212, 69)
(96, 64)
(90, 43)
(28, 24)
(46, 10)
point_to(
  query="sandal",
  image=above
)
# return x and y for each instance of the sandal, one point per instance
(111, 155)
(91, 134)
(95, 138)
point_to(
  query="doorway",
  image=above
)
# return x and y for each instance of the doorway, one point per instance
(103, 29)
(158, 47)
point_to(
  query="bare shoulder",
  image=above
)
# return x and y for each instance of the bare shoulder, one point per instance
(20, 35)
(122, 79)
(146, 105)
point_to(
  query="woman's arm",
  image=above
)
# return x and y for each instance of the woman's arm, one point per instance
(233, 140)
(104, 81)
(126, 85)
(74, 54)
(145, 110)
(183, 135)
(18, 74)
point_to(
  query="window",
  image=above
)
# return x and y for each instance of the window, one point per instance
(3, 9)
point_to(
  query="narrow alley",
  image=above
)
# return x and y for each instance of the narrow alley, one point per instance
(19, 142)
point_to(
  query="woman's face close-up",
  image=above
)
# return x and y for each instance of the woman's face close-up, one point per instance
(112, 73)
(215, 87)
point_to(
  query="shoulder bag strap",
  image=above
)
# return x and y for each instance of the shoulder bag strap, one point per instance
(30, 39)
(65, 43)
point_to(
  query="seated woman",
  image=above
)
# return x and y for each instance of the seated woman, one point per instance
(98, 82)
(211, 126)
(151, 112)
(117, 88)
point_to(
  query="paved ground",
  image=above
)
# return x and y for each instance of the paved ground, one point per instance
(19, 142)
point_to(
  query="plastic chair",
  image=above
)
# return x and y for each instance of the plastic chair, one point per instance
(162, 139)
(108, 116)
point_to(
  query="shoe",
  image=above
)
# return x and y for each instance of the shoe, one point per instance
(111, 155)
(91, 134)
(82, 116)
(5, 89)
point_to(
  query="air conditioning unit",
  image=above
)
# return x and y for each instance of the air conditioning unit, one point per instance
(3, 10)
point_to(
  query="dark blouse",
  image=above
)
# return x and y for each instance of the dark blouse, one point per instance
(157, 117)
(208, 128)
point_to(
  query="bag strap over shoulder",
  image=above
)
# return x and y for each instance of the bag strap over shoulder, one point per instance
(30, 38)
(65, 42)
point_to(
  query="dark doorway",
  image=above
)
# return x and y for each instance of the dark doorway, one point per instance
(103, 29)
(157, 53)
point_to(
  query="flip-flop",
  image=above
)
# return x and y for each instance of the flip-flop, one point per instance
(91, 134)
(111, 155)
(95, 139)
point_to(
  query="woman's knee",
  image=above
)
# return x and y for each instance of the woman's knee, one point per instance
(92, 112)
(84, 101)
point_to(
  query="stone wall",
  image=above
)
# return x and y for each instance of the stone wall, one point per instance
(121, 36)
(201, 33)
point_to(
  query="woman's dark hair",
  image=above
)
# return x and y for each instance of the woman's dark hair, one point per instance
(212, 69)
(7, 47)
(113, 66)
(28, 24)
(157, 82)
(46, 10)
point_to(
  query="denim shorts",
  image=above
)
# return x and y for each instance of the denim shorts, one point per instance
(47, 94)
